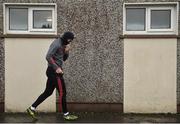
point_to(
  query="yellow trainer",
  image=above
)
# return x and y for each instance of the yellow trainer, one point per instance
(70, 117)
(31, 113)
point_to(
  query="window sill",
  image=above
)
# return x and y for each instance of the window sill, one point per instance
(150, 36)
(27, 36)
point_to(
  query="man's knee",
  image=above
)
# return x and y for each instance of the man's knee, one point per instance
(48, 93)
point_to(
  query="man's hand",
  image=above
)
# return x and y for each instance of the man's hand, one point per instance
(67, 48)
(59, 71)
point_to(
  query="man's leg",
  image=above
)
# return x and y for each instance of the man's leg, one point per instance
(47, 92)
(62, 94)
(50, 86)
(62, 99)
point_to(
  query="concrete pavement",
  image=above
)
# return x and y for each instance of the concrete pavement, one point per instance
(91, 117)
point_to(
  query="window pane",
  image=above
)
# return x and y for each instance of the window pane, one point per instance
(135, 19)
(18, 19)
(160, 19)
(42, 19)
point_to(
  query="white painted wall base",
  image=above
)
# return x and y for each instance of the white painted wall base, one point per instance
(150, 75)
(25, 78)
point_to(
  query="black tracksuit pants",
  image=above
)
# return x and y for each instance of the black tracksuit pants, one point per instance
(54, 81)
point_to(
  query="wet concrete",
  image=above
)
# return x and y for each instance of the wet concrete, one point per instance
(91, 117)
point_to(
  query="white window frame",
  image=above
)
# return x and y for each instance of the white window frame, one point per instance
(173, 6)
(7, 22)
(31, 7)
(31, 18)
(161, 8)
(135, 32)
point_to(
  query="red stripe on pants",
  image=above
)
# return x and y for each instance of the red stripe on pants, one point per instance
(52, 61)
(60, 93)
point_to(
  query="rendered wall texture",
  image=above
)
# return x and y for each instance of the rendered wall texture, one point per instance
(1, 74)
(178, 71)
(150, 75)
(25, 74)
(95, 67)
(94, 71)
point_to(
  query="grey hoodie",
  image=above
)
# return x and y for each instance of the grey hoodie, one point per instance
(56, 55)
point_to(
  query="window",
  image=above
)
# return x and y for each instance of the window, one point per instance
(30, 19)
(159, 18)
(18, 19)
(135, 19)
(42, 19)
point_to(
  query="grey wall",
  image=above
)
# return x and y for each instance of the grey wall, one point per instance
(1, 75)
(2, 72)
(94, 71)
(178, 71)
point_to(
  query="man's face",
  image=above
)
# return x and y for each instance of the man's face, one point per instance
(67, 42)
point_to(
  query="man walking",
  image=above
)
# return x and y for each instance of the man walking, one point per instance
(58, 53)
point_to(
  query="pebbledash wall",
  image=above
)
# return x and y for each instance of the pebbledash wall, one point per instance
(94, 73)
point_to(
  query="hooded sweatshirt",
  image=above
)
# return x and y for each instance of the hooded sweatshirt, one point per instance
(56, 55)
